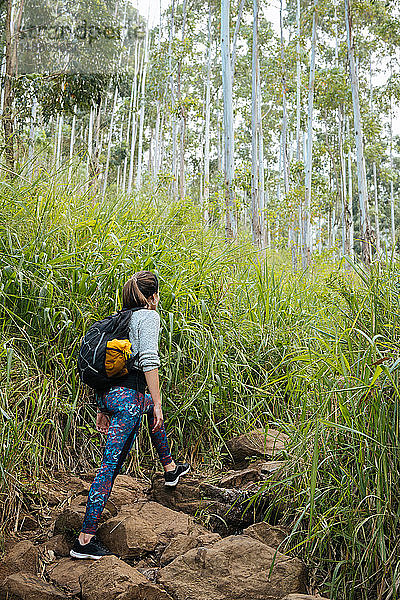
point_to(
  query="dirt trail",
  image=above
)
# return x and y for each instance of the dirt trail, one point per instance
(163, 550)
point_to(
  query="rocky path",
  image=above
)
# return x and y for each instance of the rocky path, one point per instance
(162, 551)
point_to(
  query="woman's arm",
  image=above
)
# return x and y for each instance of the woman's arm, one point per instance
(154, 388)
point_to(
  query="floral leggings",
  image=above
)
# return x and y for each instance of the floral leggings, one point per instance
(125, 408)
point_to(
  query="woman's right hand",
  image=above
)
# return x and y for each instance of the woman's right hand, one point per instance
(102, 422)
(158, 419)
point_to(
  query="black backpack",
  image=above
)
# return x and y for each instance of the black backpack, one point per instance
(105, 353)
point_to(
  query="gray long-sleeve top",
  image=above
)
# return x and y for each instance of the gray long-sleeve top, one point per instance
(144, 329)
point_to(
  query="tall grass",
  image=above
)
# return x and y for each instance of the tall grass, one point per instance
(244, 344)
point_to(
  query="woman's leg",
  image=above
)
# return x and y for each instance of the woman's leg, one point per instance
(159, 438)
(125, 407)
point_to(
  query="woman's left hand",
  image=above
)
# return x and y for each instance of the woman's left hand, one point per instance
(102, 422)
(158, 419)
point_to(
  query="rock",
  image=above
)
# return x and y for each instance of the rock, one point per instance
(126, 490)
(303, 597)
(145, 527)
(53, 497)
(70, 520)
(25, 586)
(235, 568)
(65, 573)
(147, 567)
(111, 579)
(239, 479)
(223, 507)
(61, 487)
(59, 544)
(271, 466)
(27, 522)
(269, 535)
(258, 442)
(182, 543)
(257, 471)
(23, 556)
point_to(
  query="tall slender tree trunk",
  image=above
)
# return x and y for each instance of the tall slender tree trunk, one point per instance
(2, 73)
(358, 132)
(134, 125)
(71, 144)
(130, 115)
(109, 141)
(298, 115)
(172, 93)
(32, 135)
(291, 235)
(392, 221)
(255, 191)
(206, 195)
(376, 206)
(235, 37)
(94, 163)
(182, 182)
(230, 224)
(260, 139)
(55, 145)
(346, 215)
(141, 118)
(307, 246)
(59, 140)
(12, 28)
(284, 106)
(90, 142)
(350, 190)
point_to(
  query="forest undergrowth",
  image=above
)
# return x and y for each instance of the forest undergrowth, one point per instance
(244, 343)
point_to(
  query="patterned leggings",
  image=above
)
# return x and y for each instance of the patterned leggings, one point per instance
(125, 407)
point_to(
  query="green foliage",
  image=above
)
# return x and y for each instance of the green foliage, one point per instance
(244, 344)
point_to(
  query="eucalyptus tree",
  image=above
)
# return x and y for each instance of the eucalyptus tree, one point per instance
(230, 222)
(206, 194)
(256, 200)
(142, 108)
(13, 19)
(306, 250)
(358, 133)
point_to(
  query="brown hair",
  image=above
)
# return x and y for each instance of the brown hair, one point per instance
(138, 289)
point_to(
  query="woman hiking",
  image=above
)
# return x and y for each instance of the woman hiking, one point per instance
(120, 410)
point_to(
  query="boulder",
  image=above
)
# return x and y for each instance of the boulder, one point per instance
(111, 579)
(23, 556)
(62, 487)
(182, 543)
(147, 568)
(242, 477)
(78, 504)
(224, 508)
(146, 527)
(69, 522)
(59, 544)
(270, 466)
(234, 568)
(266, 443)
(257, 471)
(25, 586)
(269, 535)
(126, 491)
(65, 573)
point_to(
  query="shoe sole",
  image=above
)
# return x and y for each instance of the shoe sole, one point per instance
(79, 555)
(174, 483)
